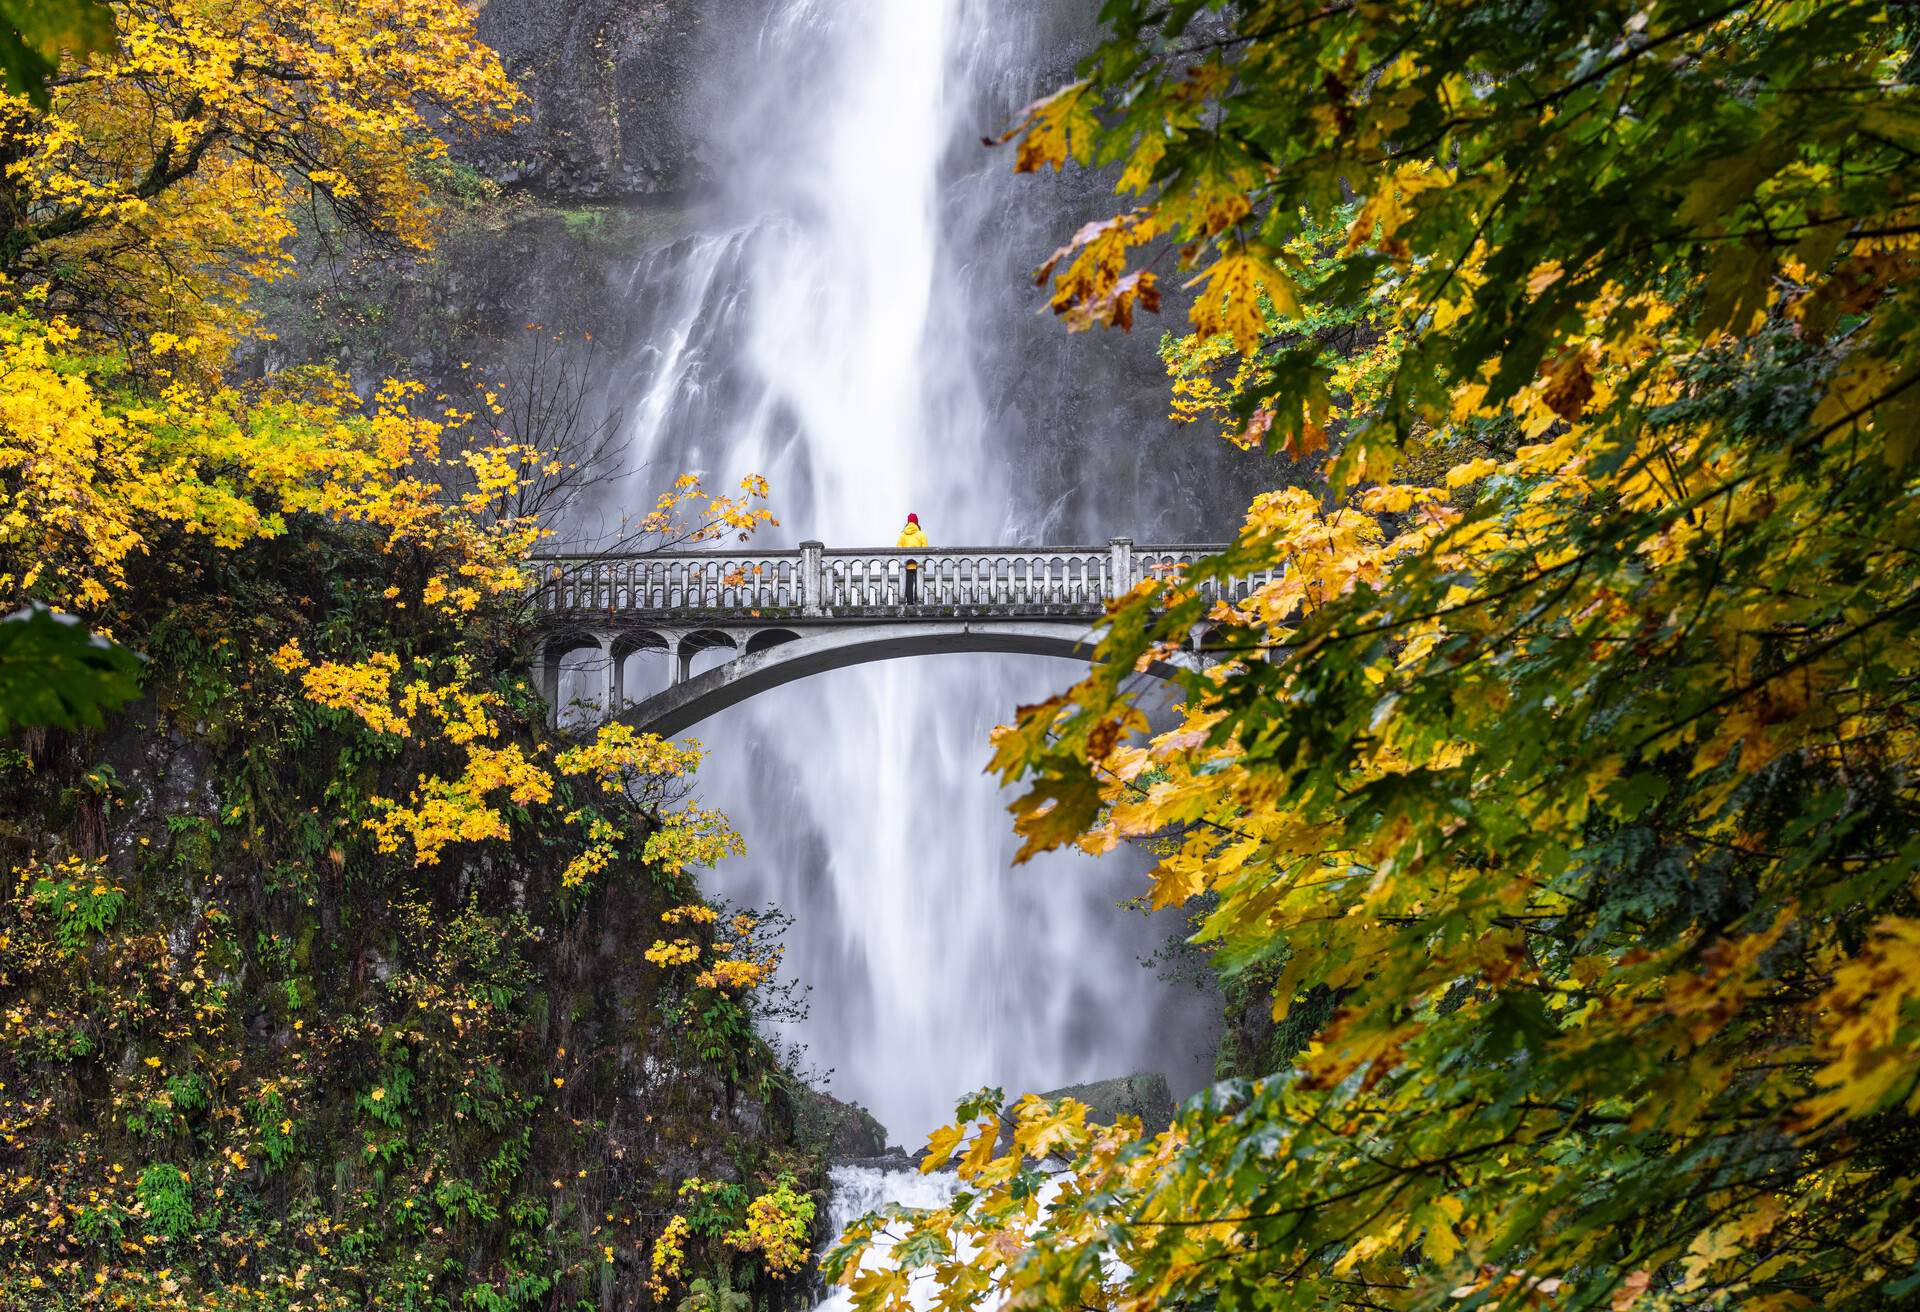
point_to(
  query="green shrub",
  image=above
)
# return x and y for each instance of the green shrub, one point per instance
(167, 1195)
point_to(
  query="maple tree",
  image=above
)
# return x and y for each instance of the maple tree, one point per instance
(207, 1100)
(163, 179)
(1557, 792)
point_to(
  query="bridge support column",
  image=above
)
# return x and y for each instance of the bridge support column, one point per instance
(678, 659)
(1119, 567)
(610, 675)
(616, 674)
(546, 677)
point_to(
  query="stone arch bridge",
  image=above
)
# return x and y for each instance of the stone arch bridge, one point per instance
(784, 615)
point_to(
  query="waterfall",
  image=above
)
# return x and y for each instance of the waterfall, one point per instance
(858, 1190)
(828, 325)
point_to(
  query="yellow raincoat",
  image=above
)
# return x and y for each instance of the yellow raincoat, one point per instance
(911, 536)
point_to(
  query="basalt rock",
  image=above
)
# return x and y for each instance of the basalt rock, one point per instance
(1145, 1095)
(842, 1132)
(616, 99)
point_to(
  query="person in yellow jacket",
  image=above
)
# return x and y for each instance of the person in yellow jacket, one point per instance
(912, 536)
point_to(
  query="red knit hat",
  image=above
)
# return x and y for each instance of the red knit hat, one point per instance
(913, 519)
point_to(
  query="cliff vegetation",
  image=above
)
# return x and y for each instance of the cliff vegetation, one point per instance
(330, 977)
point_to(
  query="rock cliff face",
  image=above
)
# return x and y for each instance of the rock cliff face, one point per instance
(615, 100)
(548, 225)
(1145, 1095)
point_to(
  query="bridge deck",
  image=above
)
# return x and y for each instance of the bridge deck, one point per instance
(785, 614)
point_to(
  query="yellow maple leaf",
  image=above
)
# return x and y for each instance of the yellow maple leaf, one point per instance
(940, 1146)
(1229, 300)
(1054, 127)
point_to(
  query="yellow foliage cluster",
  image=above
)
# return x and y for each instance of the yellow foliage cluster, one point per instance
(668, 1258)
(620, 755)
(778, 1227)
(1872, 1039)
(734, 975)
(692, 836)
(449, 704)
(1094, 287)
(687, 512)
(734, 965)
(777, 1224)
(163, 178)
(363, 690)
(91, 476)
(679, 952)
(443, 811)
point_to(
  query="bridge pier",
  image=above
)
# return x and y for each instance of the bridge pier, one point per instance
(548, 680)
(608, 682)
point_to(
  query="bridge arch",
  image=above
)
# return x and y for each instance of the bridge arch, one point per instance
(763, 666)
(701, 643)
(560, 643)
(766, 638)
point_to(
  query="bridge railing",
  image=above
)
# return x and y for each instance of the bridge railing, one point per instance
(816, 581)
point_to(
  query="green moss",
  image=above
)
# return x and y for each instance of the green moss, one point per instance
(459, 183)
(581, 221)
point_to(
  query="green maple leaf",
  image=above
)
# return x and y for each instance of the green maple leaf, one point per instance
(35, 33)
(53, 672)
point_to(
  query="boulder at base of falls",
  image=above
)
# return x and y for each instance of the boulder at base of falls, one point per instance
(1145, 1095)
(839, 1131)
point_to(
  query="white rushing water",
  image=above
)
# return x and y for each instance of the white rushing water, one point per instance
(825, 327)
(858, 1190)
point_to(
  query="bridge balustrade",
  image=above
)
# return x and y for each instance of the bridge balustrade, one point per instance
(818, 582)
(789, 613)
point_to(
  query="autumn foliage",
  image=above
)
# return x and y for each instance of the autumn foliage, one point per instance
(295, 1010)
(1555, 799)
(164, 179)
